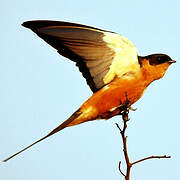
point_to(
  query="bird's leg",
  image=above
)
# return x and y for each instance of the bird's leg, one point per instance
(124, 107)
(128, 104)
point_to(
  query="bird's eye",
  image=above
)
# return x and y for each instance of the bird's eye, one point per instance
(158, 59)
(162, 59)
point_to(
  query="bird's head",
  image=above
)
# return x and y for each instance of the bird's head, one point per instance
(155, 65)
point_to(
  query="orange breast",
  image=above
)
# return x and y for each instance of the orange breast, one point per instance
(111, 96)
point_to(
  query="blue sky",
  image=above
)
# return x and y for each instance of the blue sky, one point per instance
(40, 89)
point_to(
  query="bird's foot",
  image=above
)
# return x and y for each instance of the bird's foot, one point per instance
(132, 109)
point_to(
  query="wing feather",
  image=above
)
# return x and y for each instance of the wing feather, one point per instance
(100, 55)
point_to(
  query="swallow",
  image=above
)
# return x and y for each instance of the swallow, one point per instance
(108, 61)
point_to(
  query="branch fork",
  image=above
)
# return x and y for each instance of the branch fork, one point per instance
(125, 112)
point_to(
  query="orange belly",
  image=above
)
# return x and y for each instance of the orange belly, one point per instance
(108, 98)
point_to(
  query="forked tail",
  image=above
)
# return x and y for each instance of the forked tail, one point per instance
(59, 128)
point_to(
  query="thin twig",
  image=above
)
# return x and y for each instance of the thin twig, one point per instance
(118, 127)
(120, 169)
(150, 157)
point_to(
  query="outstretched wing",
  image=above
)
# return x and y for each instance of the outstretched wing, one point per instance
(100, 55)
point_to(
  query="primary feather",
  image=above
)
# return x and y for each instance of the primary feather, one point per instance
(100, 55)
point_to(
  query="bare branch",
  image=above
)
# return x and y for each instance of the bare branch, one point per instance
(118, 127)
(124, 111)
(120, 169)
(150, 157)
